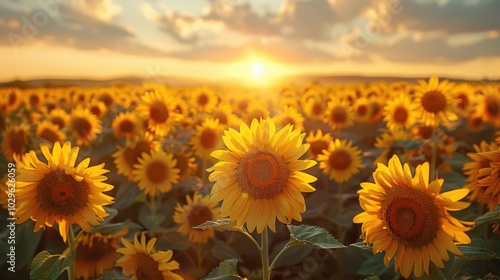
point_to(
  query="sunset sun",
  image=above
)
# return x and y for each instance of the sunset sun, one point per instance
(258, 69)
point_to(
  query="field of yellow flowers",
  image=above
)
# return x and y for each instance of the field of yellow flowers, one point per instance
(344, 181)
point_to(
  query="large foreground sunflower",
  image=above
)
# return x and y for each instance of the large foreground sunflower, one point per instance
(259, 177)
(407, 217)
(141, 260)
(57, 191)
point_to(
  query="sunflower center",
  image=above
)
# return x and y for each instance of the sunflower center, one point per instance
(262, 174)
(58, 121)
(340, 159)
(411, 216)
(208, 139)
(376, 109)
(147, 268)
(198, 215)
(107, 99)
(317, 109)
(202, 99)
(425, 131)
(49, 135)
(362, 110)
(126, 126)
(12, 98)
(95, 110)
(339, 115)
(17, 142)
(317, 147)
(60, 194)
(97, 251)
(82, 126)
(158, 112)
(463, 101)
(434, 101)
(132, 155)
(221, 117)
(34, 100)
(492, 106)
(400, 115)
(288, 120)
(156, 171)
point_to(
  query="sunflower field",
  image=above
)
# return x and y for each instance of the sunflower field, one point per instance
(379, 180)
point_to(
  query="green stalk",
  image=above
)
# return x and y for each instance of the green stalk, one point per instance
(265, 255)
(71, 247)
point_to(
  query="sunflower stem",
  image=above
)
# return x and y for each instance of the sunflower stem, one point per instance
(433, 157)
(199, 257)
(253, 240)
(288, 246)
(265, 255)
(71, 247)
(340, 209)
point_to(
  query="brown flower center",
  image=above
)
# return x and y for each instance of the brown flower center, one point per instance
(49, 135)
(317, 147)
(433, 101)
(400, 115)
(126, 126)
(317, 109)
(147, 268)
(156, 171)
(362, 110)
(60, 194)
(492, 106)
(425, 131)
(338, 115)
(58, 121)
(107, 99)
(198, 215)
(132, 155)
(411, 216)
(34, 100)
(82, 126)
(221, 116)
(17, 141)
(158, 112)
(202, 99)
(340, 159)
(12, 98)
(463, 101)
(208, 139)
(95, 110)
(262, 174)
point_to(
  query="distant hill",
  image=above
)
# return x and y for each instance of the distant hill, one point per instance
(182, 81)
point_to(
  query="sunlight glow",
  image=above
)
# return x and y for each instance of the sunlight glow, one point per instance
(258, 69)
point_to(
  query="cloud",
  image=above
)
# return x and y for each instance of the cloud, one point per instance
(457, 16)
(72, 25)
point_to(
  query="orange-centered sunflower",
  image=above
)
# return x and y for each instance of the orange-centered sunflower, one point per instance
(57, 191)
(259, 177)
(407, 217)
(437, 105)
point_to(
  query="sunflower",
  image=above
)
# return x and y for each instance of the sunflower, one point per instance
(34, 99)
(203, 100)
(15, 140)
(386, 142)
(376, 108)
(156, 172)
(141, 260)
(488, 177)
(50, 132)
(339, 114)
(96, 252)
(196, 211)
(489, 106)
(158, 109)
(471, 170)
(259, 176)
(424, 154)
(475, 122)
(408, 219)
(340, 161)
(13, 98)
(185, 163)
(107, 97)
(97, 108)
(59, 117)
(362, 110)
(464, 94)
(289, 115)
(400, 113)
(435, 101)
(126, 124)
(85, 126)
(57, 191)
(255, 111)
(224, 113)
(207, 138)
(126, 157)
(318, 142)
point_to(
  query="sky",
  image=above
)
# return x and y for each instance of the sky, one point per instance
(221, 39)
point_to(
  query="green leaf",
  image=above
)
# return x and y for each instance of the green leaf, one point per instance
(374, 266)
(47, 266)
(26, 243)
(314, 237)
(220, 225)
(114, 228)
(362, 246)
(225, 270)
(476, 251)
(112, 275)
(150, 221)
(221, 251)
(491, 217)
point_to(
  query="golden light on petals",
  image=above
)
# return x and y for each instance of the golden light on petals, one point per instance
(340, 161)
(436, 102)
(156, 172)
(260, 175)
(407, 217)
(15, 141)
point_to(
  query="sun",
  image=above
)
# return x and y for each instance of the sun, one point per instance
(258, 69)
